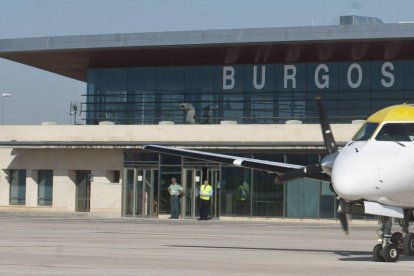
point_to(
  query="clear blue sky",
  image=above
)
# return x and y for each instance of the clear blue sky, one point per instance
(42, 96)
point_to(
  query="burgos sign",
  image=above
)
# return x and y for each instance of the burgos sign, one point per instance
(382, 75)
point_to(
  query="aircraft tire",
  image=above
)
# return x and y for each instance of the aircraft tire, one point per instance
(390, 253)
(396, 237)
(408, 244)
(376, 253)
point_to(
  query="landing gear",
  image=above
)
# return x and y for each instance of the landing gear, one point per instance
(376, 253)
(408, 244)
(391, 245)
(387, 249)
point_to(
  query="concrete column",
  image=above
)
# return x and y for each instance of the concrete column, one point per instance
(4, 188)
(106, 196)
(31, 188)
(64, 190)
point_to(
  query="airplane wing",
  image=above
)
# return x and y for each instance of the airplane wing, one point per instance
(283, 171)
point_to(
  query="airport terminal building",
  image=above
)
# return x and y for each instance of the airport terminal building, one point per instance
(245, 92)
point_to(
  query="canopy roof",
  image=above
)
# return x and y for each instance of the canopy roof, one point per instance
(71, 56)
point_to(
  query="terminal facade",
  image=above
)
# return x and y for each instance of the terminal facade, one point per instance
(248, 92)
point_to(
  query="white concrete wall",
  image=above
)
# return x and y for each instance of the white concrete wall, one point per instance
(4, 188)
(175, 133)
(31, 188)
(64, 190)
(105, 195)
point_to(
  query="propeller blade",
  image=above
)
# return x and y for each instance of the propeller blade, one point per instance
(328, 161)
(343, 218)
(328, 138)
(342, 214)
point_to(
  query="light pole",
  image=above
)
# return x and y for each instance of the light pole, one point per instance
(4, 95)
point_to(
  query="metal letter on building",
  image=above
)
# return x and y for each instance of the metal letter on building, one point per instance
(291, 76)
(262, 84)
(325, 78)
(350, 69)
(388, 75)
(228, 77)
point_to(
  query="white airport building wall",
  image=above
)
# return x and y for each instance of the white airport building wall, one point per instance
(52, 150)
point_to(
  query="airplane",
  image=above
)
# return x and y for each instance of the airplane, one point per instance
(373, 174)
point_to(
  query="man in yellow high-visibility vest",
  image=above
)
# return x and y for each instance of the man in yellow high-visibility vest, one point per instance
(206, 192)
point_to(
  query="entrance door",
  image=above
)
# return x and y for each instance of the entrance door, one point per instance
(192, 181)
(140, 193)
(147, 180)
(83, 191)
(193, 178)
(213, 175)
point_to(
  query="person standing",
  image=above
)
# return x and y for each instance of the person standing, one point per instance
(206, 192)
(240, 196)
(175, 190)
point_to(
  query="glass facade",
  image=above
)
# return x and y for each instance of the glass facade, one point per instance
(237, 191)
(17, 180)
(268, 93)
(45, 188)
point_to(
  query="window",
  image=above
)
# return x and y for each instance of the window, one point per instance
(45, 188)
(396, 132)
(365, 132)
(116, 176)
(17, 187)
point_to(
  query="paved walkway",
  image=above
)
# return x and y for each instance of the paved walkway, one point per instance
(65, 245)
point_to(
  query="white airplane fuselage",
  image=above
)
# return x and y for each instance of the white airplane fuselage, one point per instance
(379, 171)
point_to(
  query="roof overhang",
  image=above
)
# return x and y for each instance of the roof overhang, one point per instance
(71, 56)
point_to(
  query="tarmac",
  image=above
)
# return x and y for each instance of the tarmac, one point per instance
(33, 244)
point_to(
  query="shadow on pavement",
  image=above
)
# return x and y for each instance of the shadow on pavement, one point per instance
(337, 252)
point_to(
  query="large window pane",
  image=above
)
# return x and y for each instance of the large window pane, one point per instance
(235, 192)
(302, 198)
(141, 96)
(92, 98)
(113, 88)
(302, 195)
(45, 187)
(17, 179)
(327, 201)
(201, 92)
(169, 94)
(267, 196)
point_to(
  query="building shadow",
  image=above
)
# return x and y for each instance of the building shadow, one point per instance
(345, 255)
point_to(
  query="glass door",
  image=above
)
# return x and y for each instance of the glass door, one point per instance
(128, 202)
(83, 191)
(148, 179)
(192, 179)
(213, 176)
(140, 192)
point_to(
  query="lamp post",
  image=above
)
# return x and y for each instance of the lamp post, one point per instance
(4, 95)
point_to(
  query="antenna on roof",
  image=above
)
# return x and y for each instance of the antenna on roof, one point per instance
(75, 110)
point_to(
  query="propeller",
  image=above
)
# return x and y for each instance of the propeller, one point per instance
(322, 170)
(316, 171)
(328, 138)
(343, 218)
(327, 162)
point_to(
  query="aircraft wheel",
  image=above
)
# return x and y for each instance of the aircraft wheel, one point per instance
(396, 237)
(376, 253)
(390, 253)
(408, 244)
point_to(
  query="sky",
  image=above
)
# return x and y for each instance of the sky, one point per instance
(40, 96)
